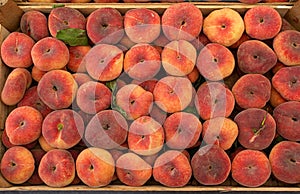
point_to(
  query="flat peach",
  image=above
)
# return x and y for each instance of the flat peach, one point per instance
(262, 22)
(178, 57)
(23, 125)
(215, 62)
(224, 26)
(287, 47)
(182, 21)
(211, 165)
(107, 129)
(15, 50)
(248, 163)
(17, 165)
(57, 168)
(173, 94)
(104, 62)
(286, 82)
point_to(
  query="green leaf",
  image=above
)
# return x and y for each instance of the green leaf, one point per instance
(73, 36)
(112, 85)
(58, 5)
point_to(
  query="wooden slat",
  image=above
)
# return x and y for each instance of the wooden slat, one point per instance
(206, 7)
(151, 188)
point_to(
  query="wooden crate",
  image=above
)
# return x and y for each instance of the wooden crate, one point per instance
(229, 185)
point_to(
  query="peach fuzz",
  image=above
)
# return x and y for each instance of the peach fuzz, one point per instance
(140, 20)
(15, 50)
(34, 23)
(105, 25)
(286, 82)
(257, 128)
(211, 165)
(5, 141)
(213, 99)
(107, 129)
(287, 117)
(224, 26)
(57, 168)
(182, 130)
(285, 161)
(221, 131)
(248, 163)
(262, 22)
(178, 57)
(104, 62)
(145, 136)
(172, 169)
(77, 53)
(95, 167)
(252, 91)
(23, 125)
(45, 54)
(173, 94)
(215, 62)
(132, 170)
(134, 100)
(93, 97)
(142, 62)
(182, 21)
(16, 83)
(17, 165)
(61, 18)
(63, 129)
(57, 89)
